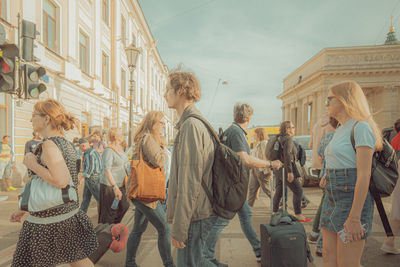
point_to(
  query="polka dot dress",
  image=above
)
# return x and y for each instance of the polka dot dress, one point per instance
(43, 245)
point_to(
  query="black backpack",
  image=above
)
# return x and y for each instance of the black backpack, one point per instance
(384, 176)
(230, 178)
(273, 151)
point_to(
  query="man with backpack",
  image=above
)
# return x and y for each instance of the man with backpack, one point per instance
(189, 207)
(235, 138)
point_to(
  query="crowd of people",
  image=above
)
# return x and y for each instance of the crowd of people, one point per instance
(187, 221)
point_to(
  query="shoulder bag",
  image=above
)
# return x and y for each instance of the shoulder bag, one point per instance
(146, 183)
(38, 195)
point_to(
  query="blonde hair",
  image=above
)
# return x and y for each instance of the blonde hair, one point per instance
(261, 134)
(112, 134)
(147, 124)
(59, 118)
(355, 104)
(242, 112)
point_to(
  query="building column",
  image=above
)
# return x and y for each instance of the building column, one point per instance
(389, 106)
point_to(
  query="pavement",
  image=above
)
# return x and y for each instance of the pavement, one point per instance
(232, 247)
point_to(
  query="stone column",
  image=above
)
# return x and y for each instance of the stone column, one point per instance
(389, 106)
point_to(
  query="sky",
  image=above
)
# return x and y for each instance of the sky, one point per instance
(242, 50)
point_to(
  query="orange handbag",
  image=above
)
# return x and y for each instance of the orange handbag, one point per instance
(147, 183)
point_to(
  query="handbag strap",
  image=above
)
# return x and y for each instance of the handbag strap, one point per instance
(381, 209)
(375, 194)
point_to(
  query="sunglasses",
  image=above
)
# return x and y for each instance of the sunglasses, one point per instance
(329, 100)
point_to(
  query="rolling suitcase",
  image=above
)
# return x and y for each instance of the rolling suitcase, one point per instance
(284, 239)
(110, 236)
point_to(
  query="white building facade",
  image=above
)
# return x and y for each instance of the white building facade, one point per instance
(81, 46)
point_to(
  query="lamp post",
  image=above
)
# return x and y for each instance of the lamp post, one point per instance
(132, 54)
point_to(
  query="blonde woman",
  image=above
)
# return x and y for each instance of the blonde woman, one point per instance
(149, 140)
(348, 204)
(112, 182)
(259, 177)
(63, 234)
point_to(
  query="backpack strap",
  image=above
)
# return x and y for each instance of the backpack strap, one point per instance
(216, 138)
(375, 194)
(208, 126)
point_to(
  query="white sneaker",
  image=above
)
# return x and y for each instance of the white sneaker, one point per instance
(390, 250)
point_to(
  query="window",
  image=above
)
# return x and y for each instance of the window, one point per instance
(106, 123)
(123, 30)
(3, 9)
(84, 52)
(50, 25)
(124, 128)
(3, 115)
(141, 98)
(105, 11)
(84, 124)
(141, 61)
(134, 39)
(123, 83)
(105, 70)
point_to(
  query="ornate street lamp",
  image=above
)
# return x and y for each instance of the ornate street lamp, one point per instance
(132, 54)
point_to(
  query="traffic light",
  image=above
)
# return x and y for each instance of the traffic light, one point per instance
(28, 37)
(8, 53)
(32, 85)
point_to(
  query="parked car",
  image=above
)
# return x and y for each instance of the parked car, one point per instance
(309, 174)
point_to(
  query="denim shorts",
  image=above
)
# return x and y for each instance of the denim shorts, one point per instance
(339, 195)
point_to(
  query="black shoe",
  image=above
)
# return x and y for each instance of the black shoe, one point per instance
(304, 203)
(318, 253)
(217, 263)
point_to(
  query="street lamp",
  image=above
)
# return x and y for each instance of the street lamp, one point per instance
(132, 54)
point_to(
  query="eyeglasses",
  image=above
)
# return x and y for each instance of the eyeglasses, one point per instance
(37, 114)
(329, 100)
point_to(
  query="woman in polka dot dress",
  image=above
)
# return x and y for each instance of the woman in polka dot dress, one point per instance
(62, 234)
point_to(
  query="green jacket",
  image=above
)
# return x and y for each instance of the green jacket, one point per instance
(192, 160)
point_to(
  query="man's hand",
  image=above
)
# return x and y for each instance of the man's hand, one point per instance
(276, 164)
(177, 244)
(290, 177)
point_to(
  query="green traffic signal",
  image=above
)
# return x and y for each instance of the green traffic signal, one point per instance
(32, 85)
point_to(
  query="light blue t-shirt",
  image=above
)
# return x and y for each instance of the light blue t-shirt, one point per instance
(116, 164)
(339, 154)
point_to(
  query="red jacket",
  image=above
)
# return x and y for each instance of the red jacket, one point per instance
(396, 142)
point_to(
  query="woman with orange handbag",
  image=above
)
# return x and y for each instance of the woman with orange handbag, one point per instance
(149, 157)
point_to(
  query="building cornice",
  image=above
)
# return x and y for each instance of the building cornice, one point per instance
(346, 57)
(343, 73)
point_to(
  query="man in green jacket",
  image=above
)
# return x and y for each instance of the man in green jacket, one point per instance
(189, 208)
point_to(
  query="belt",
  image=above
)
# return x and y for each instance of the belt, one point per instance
(341, 171)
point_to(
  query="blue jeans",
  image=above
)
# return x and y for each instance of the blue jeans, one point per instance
(158, 219)
(92, 188)
(219, 223)
(192, 254)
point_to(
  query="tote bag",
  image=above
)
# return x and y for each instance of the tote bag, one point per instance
(146, 183)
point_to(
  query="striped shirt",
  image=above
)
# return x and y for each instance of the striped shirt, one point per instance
(92, 163)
